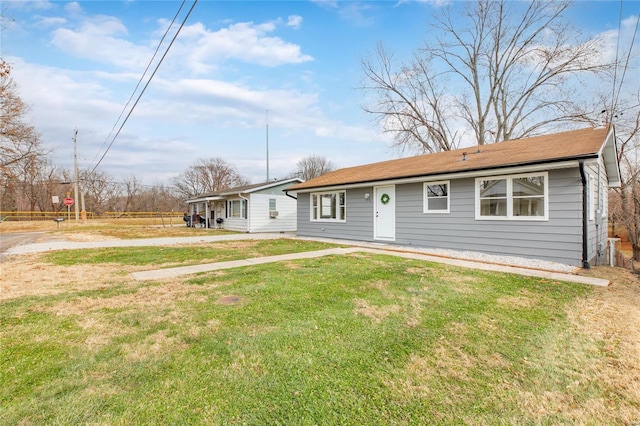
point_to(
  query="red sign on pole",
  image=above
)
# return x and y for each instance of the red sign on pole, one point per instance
(68, 201)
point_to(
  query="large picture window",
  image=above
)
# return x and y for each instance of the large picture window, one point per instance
(518, 197)
(328, 206)
(436, 197)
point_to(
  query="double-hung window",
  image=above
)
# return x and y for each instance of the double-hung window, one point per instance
(517, 197)
(329, 206)
(436, 197)
(237, 209)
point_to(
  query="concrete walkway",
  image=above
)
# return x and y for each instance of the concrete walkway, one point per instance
(208, 267)
(140, 242)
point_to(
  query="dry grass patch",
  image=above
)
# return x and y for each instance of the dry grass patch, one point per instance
(525, 299)
(612, 317)
(154, 345)
(101, 331)
(165, 295)
(460, 283)
(27, 275)
(375, 313)
(86, 237)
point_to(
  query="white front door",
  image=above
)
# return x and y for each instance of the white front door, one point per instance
(384, 221)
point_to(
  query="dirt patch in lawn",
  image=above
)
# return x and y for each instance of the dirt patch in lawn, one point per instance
(229, 300)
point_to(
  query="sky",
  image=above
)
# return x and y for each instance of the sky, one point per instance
(241, 76)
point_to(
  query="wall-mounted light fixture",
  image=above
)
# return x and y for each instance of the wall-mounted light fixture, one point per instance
(366, 196)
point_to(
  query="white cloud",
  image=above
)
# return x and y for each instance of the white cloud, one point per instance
(246, 41)
(73, 8)
(434, 3)
(352, 11)
(30, 5)
(99, 39)
(50, 22)
(294, 21)
(197, 49)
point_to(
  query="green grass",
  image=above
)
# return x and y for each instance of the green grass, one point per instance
(356, 340)
(184, 255)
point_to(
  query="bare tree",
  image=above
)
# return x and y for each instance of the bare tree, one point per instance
(312, 166)
(132, 191)
(626, 209)
(38, 177)
(207, 175)
(19, 141)
(101, 192)
(159, 197)
(499, 70)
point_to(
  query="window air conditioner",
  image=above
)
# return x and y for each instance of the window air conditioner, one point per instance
(273, 214)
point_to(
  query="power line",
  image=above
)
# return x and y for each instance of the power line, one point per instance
(615, 68)
(626, 65)
(141, 78)
(146, 85)
(616, 93)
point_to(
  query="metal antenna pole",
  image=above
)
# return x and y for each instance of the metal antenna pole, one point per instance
(267, 121)
(75, 174)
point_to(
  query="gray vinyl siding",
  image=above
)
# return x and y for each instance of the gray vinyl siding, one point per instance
(558, 239)
(359, 223)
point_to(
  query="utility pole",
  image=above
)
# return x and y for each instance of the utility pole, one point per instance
(75, 174)
(267, 121)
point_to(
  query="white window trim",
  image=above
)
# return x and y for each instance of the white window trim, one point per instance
(509, 216)
(320, 219)
(425, 207)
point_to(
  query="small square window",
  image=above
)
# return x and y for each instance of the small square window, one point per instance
(436, 197)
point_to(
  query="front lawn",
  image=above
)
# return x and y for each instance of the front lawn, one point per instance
(359, 339)
(187, 254)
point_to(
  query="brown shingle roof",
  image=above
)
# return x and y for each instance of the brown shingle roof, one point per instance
(568, 145)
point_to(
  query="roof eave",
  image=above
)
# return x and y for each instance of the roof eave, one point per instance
(571, 161)
(609, 154)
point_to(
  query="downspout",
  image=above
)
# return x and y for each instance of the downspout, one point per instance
(599, 213)
(248, 215)
(585, 217)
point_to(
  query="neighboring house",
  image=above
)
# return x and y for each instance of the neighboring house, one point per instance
(542, 197)
(261, 207)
